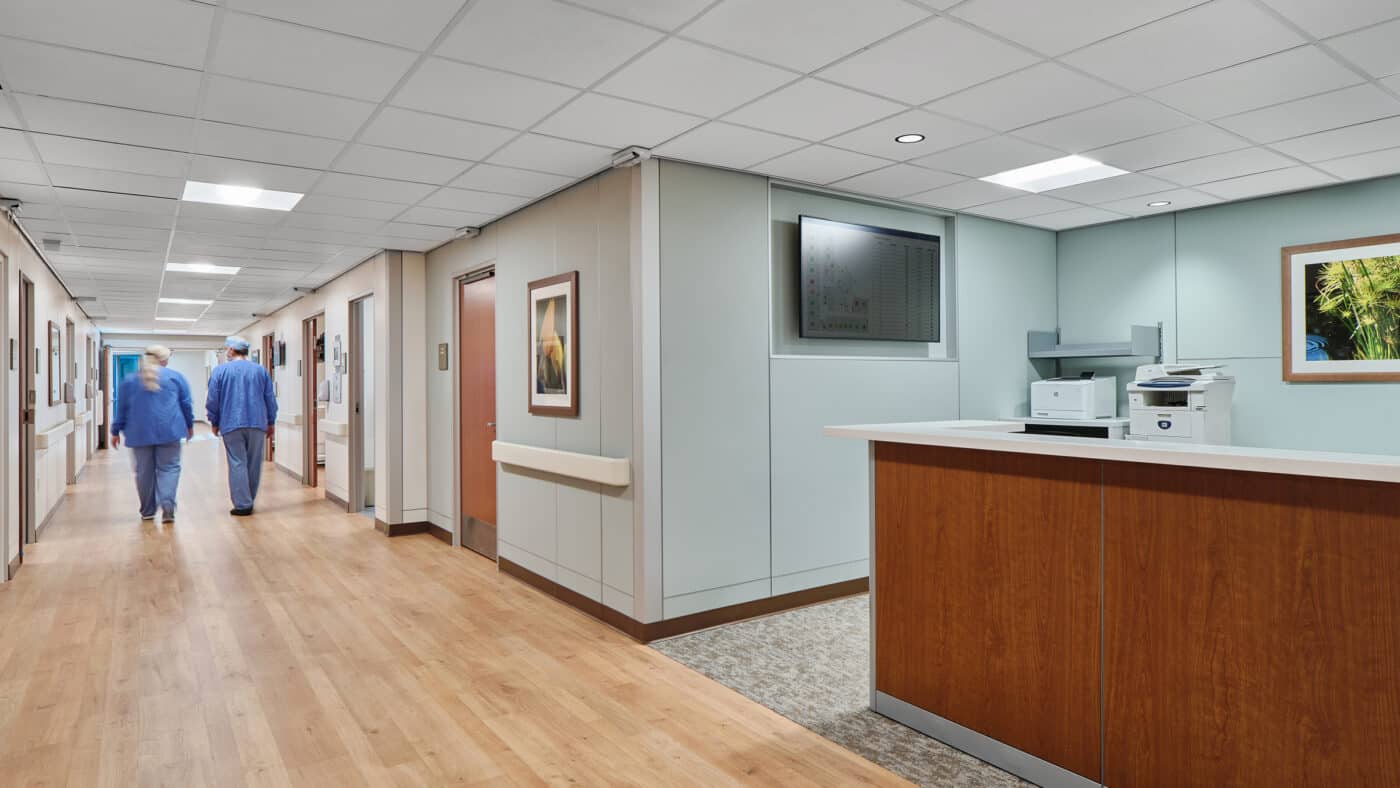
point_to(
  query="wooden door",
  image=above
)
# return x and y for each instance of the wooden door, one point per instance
(268, 344)
(309, 402)
(28, 403)
(476, 385)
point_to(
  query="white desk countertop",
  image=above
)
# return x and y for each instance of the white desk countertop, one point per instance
(1006, 436)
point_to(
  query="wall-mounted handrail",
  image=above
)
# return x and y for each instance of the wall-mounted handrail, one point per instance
(611, 471)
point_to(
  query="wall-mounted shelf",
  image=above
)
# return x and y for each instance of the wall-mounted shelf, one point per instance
(1145, 341)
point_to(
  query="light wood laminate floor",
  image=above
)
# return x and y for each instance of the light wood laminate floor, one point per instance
(302, 647)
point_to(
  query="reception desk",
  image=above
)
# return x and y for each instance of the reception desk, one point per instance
(1085, 612)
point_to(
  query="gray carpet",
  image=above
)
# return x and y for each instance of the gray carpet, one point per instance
(812, 666)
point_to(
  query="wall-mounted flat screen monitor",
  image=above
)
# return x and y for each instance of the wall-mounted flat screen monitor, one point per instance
(862, 282)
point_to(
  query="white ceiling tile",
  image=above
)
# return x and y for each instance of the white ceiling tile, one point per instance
(1176, 199)
(8, 119)
(1392, 82)
(946, 56)
(546, 40)
(1367, 165)
(1374, 49)
(27, 192)
(813, 110)
(940, 133)
(110, 156)
(965, 195)
(102, 79)
(665, 76)
(302, 57)
(989, 156)
(897, 180)
(1124, 119)
(1221, 165)
(1324, 19)
(17, 171)
(342, 206)
(1056, 28)
(665, 14)
(1299, 72)
(191, 212)
(112, 124)
(42, 211)
(1121, 187)
(1317, 113)
(474, 201)
(1188, 142)
(322, 221)
(163, 31)
(1074, 217)
(272, 147)
(416, 131)
(413, 25)
(1349, 141)
(444, 218)
(107, 201)
(509, 180)
(820, 164)
(424, 232)
(1221, 33)
(118, 231)
(238, 172)
(726, 145)
(480, 94)
(14, 146)
(548, 154)
(1022, 207)
(283, 109)
(616, 123)
(390, 163)
(798, 34)
(1041, 92)
(108, 180)
(360, 187)
(1289, 179)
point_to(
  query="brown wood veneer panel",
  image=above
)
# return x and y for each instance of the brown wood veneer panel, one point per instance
(987, 594)
(1252, 629)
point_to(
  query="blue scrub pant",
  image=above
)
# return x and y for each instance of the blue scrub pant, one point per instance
(157, 477)
(245, 460)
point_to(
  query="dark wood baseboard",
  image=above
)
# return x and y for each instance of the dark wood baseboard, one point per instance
(407, 529)
(288, 471)
(441, 534)
(645, 633)
(337, 500)
(13, 568)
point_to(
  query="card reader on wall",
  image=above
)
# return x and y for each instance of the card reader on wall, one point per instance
(1086, 397)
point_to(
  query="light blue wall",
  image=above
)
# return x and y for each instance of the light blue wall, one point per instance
(1213, 275)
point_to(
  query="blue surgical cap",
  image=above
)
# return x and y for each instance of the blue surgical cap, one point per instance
(237, 343)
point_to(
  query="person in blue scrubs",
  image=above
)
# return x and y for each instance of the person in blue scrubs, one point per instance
(242, 409)
(153, 414)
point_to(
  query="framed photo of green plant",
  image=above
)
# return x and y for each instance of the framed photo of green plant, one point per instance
(1341, 310)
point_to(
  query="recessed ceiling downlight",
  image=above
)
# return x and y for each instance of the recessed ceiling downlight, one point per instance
(1159, 203)
(240, 196)
(1055, 174)
(908, 138)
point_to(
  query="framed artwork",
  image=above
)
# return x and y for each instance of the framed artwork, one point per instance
(1341, 310)
(257, 357)
(553, 360)
(55, 364)
(281, 354)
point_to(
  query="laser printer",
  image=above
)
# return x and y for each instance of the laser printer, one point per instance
(1085, 397)
(1181, 402)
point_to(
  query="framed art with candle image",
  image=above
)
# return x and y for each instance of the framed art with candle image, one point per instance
(1341, 310)
(55, 364)
(553, 335)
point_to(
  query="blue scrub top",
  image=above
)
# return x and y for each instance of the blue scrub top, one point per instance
(153, 418)
(241, 397)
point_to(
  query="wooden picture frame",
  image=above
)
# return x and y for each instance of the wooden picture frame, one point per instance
(1334, 329)
(551, 368)
(55, 364)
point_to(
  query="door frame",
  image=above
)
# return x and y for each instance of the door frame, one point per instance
(105, 392)
(458, 279)
(70, 342)
(309, 425)
(355, 366)
(28, 385)
(269, 342)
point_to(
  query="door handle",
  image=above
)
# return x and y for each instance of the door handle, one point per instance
(491, 424)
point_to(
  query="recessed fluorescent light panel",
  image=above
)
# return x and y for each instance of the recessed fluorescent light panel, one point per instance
(192, 301)
(202, 268)
(178, 319)
(241, 196)
(908, 138)
(1055, 174)
(1159, 204)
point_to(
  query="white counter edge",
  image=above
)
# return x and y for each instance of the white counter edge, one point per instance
(612, 471)
(1001, 436)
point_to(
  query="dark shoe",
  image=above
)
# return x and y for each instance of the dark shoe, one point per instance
(150, 516)
(167, 517)
(241, 512)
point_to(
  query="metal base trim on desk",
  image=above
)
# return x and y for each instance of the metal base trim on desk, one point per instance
(1002, 756)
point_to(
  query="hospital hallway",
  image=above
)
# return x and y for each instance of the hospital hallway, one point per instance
(301, 647)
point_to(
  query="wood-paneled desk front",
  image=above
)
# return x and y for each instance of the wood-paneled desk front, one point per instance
(1085, 612)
